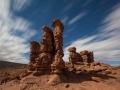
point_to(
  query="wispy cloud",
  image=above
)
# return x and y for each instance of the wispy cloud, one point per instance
(78, 17)
(68, 7)
(86, 3)
(20, 4)
(105, 44)
(14, 34)
(64, 20)
(69, 30)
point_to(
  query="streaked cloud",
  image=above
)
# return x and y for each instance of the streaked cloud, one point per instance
(105, 44)
(71, 29)
(68, 7)
(14, 33)
(20, 4)
(75, 19)
(64, 20)
(88, 1)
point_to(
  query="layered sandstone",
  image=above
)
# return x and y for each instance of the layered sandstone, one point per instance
(83, 57)
(48, 54)
(58, 63)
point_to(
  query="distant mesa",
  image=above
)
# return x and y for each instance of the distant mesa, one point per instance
(8, 65)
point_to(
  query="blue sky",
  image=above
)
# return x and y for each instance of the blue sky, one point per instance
(92, 25)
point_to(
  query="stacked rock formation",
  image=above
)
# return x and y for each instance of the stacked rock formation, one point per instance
(74, 56)
(83, 56)
(49, 52)
(58, 63)
(94, 68)
(87, 57)
(90, 57)
(46, 50)
(34, 52)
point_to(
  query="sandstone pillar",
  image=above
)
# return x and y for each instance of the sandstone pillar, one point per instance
(46, 51)
(34, 53)
(58, 65)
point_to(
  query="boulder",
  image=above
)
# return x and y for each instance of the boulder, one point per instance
(108, 71)
(96, 79)
(97, 68)
(66, 85)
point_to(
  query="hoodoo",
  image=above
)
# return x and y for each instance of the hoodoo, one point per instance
(46, 58)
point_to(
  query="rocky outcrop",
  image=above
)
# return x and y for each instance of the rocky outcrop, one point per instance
(74, 57)
(34, 53)
(48, 54)
(90, 68)
(58, 63)
(46, 51)
(87, 56)
(83, 56)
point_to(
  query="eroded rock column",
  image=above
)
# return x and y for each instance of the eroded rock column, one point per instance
(34, 53)
(74, 57)
(46, 51)
(84, 55)
(58, 63)
(88, 57)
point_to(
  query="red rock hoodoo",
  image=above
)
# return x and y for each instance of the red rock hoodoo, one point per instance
(47, 57)
(48, 54)
(58, 63)
(83, 56)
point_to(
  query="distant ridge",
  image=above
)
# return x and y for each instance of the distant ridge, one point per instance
(6, 64)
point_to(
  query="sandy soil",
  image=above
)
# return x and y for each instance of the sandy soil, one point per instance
(14, 79)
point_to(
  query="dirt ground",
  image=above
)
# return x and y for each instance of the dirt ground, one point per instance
(14, 79)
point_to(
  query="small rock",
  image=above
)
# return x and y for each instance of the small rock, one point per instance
(78, 68)
(97, 68)
(96, 63)
(23, 86)
(108, 71)
(96, 79)
(66, 85)
(114, 73)
(78, 72)
(104, 68)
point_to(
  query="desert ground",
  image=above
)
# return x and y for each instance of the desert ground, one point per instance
(18, 79)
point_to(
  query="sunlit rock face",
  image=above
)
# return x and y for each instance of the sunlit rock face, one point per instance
(58, 63)
(84, 56)
(46, 58)
(49, 53)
